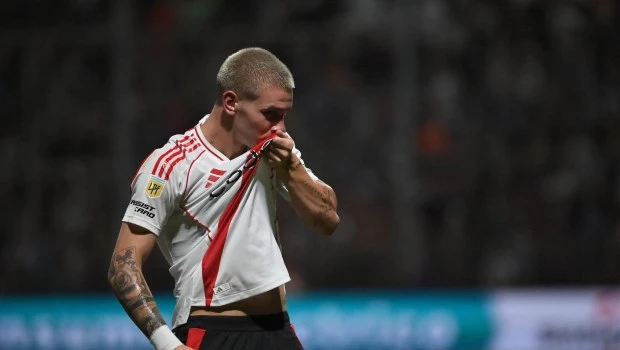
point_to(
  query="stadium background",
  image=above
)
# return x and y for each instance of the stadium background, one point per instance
(474, 146)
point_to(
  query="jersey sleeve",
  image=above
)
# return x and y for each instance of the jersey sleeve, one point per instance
(153, 197)
(280, 186)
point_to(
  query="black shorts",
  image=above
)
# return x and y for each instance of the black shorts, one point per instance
(269, 332)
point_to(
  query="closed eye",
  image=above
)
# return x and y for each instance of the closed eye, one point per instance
(273, 116)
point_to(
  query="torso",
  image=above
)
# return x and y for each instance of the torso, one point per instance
(222, 264)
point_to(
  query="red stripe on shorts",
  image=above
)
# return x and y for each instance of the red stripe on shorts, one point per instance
(194, 337)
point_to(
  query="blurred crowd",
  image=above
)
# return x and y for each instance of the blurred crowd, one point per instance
(513, 145)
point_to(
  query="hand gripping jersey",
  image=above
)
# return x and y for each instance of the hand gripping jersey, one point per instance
(215, 220)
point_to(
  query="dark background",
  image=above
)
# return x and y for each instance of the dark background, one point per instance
(472, 143)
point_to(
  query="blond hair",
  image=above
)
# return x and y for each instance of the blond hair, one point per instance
(248, 71)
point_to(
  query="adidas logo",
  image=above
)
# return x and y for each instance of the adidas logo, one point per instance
(221, 288)
(214, 175)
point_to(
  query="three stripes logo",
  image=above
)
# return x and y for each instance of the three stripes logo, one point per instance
(169, 159)
(221, 288)
(214, 175)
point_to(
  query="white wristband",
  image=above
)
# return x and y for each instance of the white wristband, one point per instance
(164, 339)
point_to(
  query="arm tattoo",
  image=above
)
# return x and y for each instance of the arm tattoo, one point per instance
(288, 164)
(324, 196)
(326, 204)
(133, 292)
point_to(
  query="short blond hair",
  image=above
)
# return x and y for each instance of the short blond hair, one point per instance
(248, 71)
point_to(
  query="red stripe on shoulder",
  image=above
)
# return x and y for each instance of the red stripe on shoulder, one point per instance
(169, 159)
(184, 142)
(159, 160)
(176, 151)
(174, 163)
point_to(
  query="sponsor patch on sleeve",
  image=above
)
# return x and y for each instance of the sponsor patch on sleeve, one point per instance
(143, 208)
(155, 187)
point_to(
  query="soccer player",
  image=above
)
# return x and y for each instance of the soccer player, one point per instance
(207, 198)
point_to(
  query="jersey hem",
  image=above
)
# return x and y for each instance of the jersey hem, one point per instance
(184, 304)
(225, 300)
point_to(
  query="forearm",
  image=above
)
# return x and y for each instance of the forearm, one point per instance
(313, 201)
(127, 281)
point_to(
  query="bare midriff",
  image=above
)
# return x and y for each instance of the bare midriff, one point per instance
(270, 302)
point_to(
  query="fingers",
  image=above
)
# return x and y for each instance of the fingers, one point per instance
(283, 143)
(279, 152)
(276, 153)
(272, 158)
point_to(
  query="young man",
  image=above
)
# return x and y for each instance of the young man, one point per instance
(208, 199)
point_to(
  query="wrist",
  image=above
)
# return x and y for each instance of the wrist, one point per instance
(293, 164)
(289, 167)
(164, 339)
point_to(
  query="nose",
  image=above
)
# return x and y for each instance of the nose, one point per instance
(279, 125)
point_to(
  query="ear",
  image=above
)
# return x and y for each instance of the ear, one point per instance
(229, 102)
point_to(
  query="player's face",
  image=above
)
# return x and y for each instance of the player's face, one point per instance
(256, 118)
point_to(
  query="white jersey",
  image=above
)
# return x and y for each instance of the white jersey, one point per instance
(215, 219)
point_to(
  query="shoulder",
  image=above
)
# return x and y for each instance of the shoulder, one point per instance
(169, 162)
(174, 156)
